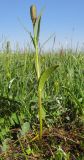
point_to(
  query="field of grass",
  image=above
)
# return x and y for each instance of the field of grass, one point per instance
(62, 101)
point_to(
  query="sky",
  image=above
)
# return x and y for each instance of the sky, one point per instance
(64, 18)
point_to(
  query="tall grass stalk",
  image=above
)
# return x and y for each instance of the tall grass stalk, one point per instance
(36, 28)
(41, 78)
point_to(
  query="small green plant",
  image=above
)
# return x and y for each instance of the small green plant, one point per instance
(60, 154)
(41, 78)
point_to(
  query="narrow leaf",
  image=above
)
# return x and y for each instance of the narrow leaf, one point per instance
(26, 30)
(38, 31)
(32, 39)
(45, 75)
(37, 25)
(10, 83)
(15, 118)
(49, 38)
(76, 101)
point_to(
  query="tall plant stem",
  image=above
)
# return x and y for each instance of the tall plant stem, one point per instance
(39, 92)
(40, 113)
(35, 39)
(37, 61)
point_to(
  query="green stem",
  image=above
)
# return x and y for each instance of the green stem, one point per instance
(40, 113)
(39, 92)
(37, 62)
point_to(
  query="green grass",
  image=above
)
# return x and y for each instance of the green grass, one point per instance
(62, 98)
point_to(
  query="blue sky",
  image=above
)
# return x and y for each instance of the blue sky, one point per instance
(65, 18)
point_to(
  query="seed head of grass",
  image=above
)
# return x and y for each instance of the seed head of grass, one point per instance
(33, 14)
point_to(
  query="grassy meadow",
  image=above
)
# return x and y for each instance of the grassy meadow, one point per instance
(41, 102)
(62, 101)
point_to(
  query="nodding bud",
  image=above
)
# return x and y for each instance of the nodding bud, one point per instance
(33, 14)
